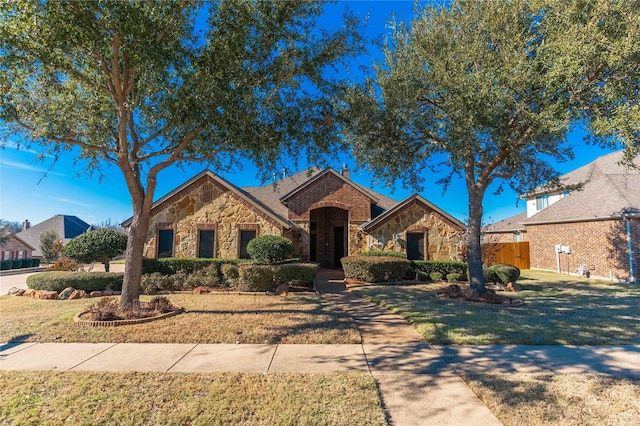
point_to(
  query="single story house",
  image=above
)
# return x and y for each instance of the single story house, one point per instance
(65, 226)
(14, 248)
(324, 213)
(590, 225)
(509, 230)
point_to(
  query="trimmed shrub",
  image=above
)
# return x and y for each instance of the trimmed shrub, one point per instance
(422, 276)
(174, 265)
(489, 275)
(301, 274)
(17, 264)
(87, 281)
(6, 264)
(443, 266)
(256, 278)
(152, 283)
(270, 249)
(506, 273)
(36, 263)
(374, 269)
(436, 276)
(454, 277)
(384, 253)
(27, 263)
(100, 245)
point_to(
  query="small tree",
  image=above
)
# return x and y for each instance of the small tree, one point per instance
(50, 245)
(7, 228)
(270, 249)
(101, 245)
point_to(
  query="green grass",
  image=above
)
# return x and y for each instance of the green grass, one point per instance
(79, 398)
(559, 310)
(208, 318)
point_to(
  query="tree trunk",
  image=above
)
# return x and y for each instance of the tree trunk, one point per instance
(474, 251)
(133, 259)
(106, 265)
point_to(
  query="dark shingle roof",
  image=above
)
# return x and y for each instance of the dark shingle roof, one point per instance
(608, 190)
(510, 224)
(67, 227)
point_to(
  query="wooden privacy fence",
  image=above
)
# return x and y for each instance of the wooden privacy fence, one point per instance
(516, 254)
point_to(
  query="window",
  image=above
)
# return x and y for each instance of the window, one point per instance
(517, 237)
(21, 254)
(415, 246)
(6, 255)
(206, 243)
(165, 243)
(246, 235)
(542, 202)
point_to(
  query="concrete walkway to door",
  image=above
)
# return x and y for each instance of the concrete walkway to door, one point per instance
(417, 385)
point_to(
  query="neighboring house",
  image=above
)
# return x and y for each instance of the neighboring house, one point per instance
(590, 224)
(15, 248)
(67, 227)
(509, 230)
(324, 213)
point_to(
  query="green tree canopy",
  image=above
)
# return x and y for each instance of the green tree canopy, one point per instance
(50, 245)
(490, 89)
(100, 245)
(143, 85)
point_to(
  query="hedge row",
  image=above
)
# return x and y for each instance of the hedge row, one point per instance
(175, 265)
(444, 267)
(268, 277)
(375, 269)
(87, 281)
(19, 263)
(384, 253)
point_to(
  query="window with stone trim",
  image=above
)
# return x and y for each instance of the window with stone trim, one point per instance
(416, 246)
(206, 243)
(165, 243)
(244, 236)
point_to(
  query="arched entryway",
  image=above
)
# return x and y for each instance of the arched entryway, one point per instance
(328, 236)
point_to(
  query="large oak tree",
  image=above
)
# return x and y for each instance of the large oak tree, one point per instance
(491, 88)
(143, 85)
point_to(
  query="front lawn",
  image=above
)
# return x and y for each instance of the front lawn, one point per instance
(208, 318)
(559, 310)
(48, 397)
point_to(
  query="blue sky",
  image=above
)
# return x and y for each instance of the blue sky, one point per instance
(24, 194)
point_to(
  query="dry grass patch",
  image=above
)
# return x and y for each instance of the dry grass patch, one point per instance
(47, 397)
(210, 318)
(553, 399)
(559, 310)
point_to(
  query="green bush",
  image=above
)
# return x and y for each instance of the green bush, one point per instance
(17, 264)
(301, 274)
(100, 245)
(6, 264)
(27, 263)
(256, 278)
(442, 266)
(384, 253)
(174, 265)
(454, 277)
(422, 276)
(375, 269)
(87, 281)
(505, 273)
(36, 263)
(152, 283)
(490, 275)
(436, 276)
(270, 249)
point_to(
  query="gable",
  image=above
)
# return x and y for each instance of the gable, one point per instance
(329, 189)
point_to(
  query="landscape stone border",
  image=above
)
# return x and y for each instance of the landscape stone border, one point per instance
(116, 323)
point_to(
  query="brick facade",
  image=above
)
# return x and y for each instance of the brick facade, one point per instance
(601, 246)
(14, 249)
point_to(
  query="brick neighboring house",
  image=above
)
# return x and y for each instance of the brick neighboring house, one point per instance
(324, 213)
(509, 230)
(65, 226)
(15, 248)
(591, 224)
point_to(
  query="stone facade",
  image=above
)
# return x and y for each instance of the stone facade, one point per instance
(442, 238)
(600, 246)
(207, 206)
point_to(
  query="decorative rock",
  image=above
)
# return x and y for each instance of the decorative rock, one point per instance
(78, 294)
(36, 294)
(15, 291)
(514, 287)
(95, 294)
(28, 292)
(64, 294)
(282, 290)
(201, 290)
(107, 292)
(47, 295)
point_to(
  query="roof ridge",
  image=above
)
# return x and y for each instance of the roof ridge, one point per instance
(618, 190)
